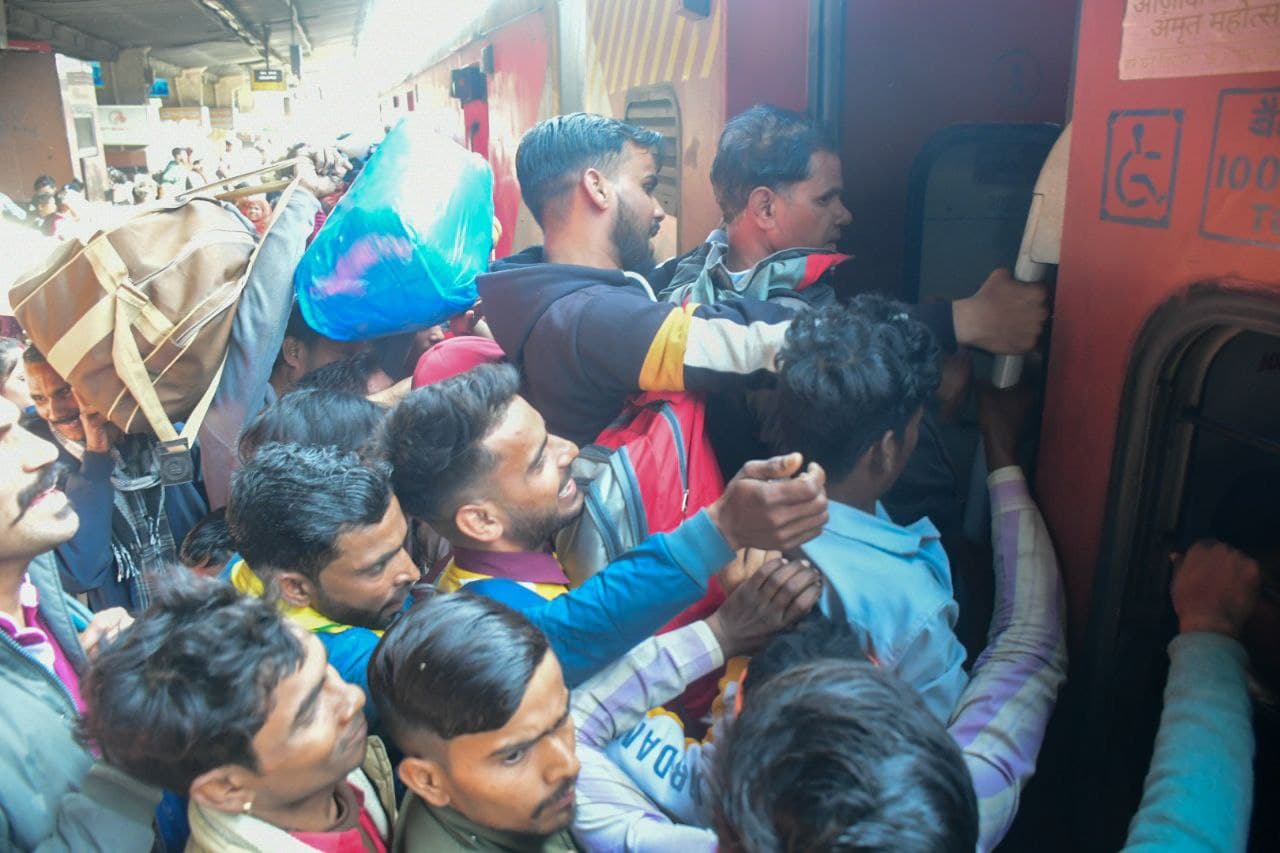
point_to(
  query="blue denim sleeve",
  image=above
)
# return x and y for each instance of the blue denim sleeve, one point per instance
(85, 559)
(631, 598)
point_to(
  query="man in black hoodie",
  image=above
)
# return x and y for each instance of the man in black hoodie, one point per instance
(577, 315)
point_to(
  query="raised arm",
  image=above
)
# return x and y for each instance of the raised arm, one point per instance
(1000, 719)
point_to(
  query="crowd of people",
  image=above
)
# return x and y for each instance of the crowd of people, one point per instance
(350, 631)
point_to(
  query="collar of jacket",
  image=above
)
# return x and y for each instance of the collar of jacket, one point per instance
(64, 616)
(242, 833)
(246, 581)
(472, 836)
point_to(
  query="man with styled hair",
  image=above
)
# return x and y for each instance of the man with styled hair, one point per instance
(474, 460)
(475, 698)
(840, 755)
(576, 315)
(218, 697)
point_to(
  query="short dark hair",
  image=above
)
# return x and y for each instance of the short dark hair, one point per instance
(289, 504)
(209, 542)
(296, 326)
(846, 376)
(554, 153)
(44, 181)
(434, 438)
(174, 152)
(314, 417)
(765, 146)
(32, 355)
(817, 636)
(10, 354)
(188, 685)
(841, 756)
(455, 664)
(350, 374)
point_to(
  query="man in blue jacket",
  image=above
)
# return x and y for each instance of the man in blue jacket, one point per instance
(325, 529)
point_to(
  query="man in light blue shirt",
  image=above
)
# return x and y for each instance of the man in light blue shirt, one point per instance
(853, 384)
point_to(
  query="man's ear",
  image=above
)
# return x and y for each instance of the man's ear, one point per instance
(884, 453)
(479, 522)
(760, 207)
(425, 778)
(223, 789)
(291, 350)
(295, 588)
(599, 189)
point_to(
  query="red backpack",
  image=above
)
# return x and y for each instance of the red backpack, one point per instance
(647, 472)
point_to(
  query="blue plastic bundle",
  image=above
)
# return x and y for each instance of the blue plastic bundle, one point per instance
(402, 249)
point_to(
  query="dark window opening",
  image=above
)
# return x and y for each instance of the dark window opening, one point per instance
(1199, 439)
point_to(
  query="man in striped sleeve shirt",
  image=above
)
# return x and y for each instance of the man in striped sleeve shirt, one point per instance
(473, 695)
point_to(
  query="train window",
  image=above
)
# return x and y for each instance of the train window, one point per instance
(657, 108)
(86, 134)
(1197, 443)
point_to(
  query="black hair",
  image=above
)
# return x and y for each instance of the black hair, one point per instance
(297, 327)
(10, 354)
(174, 152)
(765, 146)
(44, 181)
(43, 198)
(554, 153)
(846, 376)
(314, 417)
(208, 542)
(289, 504)
(32, 355)
(186, 688)
(455, 664)
(814, 638)
(350, 374)
(434, 438)
(840, 756)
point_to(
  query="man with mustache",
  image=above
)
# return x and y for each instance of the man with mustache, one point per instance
(130, 521)
(219, 697)
(576, 314)
(52, 791)
(475, 696)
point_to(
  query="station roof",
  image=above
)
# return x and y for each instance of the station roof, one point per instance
(190, 33)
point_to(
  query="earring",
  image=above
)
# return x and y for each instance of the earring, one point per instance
(248, 806)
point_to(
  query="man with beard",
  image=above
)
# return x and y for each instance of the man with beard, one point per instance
(576, 315)
(474, 460)
(53, 795)
(474, 695)
(324, 530)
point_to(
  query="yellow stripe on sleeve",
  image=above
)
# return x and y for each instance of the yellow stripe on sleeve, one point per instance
(663, 368)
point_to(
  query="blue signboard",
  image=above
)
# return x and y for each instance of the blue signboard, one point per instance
(160, 88)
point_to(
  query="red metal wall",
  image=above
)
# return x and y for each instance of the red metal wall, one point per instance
(912, 69)
(33, 124)
(1125, 251)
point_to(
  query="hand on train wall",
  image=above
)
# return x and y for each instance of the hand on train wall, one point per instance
(1214, 588)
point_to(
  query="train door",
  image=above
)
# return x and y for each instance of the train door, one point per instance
(1199, 458)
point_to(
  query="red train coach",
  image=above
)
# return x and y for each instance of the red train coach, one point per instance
(1162, 372)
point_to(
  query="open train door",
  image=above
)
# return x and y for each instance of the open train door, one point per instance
(970, 194)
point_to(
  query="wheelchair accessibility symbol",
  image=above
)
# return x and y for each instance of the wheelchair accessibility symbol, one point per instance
(1141, 166)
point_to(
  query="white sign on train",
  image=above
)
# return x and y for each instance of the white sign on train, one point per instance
(1194, 38)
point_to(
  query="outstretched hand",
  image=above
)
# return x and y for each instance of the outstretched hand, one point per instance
(773, 598)
(1214, 588)
(320, 171)
(772, 505)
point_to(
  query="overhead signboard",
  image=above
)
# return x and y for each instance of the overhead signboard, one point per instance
(268, 80)
(127, 124)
